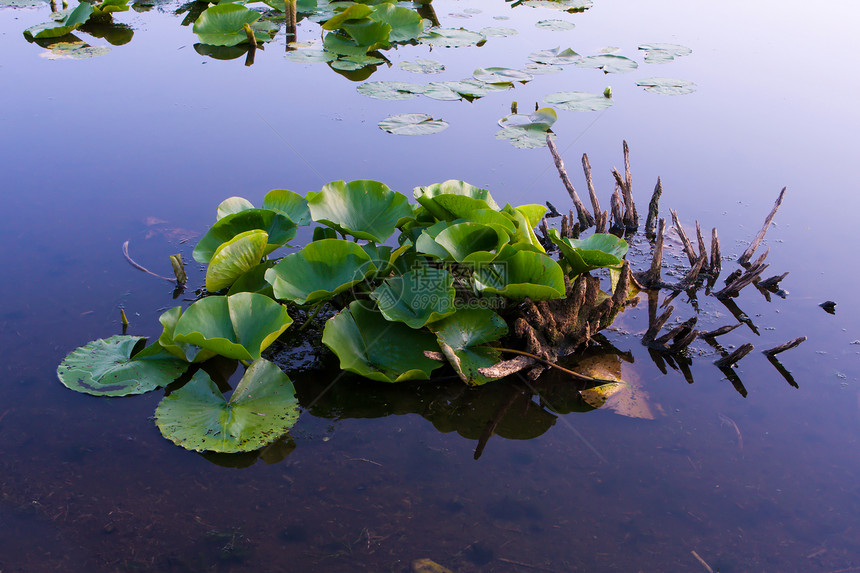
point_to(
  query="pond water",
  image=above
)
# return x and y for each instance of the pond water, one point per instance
(143, 142)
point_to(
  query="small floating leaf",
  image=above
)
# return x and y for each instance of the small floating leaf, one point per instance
(310, 56)
(667, 86)
(555, 25)
(262, 408)
(423, 67)
(579, 101)
(565, 5)
(109, 367)
(73, 51)
(451, 38)
(555, 56)
(412, 124)
(441, 91)
(609, 63)
(664, 53)
(527, 131)
(494, 32)
(389, 90)
(542, 69)
(501, 75)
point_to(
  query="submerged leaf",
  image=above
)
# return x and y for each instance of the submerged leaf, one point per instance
(109, 367)
(412, 124)
(262, 408)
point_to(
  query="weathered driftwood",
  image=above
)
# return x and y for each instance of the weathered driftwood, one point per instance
(773, 281)
(688, 246)
(585, 218)
(653, 210)
(595, 204)
(716, 258)
(719, 331)
(747, 254)
(616, 203)
(735, 356)
(734, 288)
(783, 347)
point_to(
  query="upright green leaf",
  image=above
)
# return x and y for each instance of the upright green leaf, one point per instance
(459, 201)
(463, 337)
(364, 209)
(290, 204)
(422, 295)
(234, 258)
(520, 275)
(61, 24)
(223, 24)
(277, 226)
(597, 251)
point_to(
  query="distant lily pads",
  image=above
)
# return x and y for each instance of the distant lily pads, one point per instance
(555, 56)
(389, 90)
(501, 75)
(261, 409)
(664, 53)
(497, 32)
(579, 101)
(451, 38)
(541, 69)
(555, 25)
(412, 124)
(565, 5)
(310, 56)
(423, 67)
(109, 367)
(609, 63)
(667, 86)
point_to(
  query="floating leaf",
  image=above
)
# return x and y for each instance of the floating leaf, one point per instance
(451, 38)
(310, 56)
(542, 69)
(232, 205)
(527, 131)
(597, 251)
(234, 258)
(389, 90)
(412, 124)
(278, 227)
(290, 204)
(185, 351)
(494, 32)
(523, 274)
(223, 25)
(422, 295)
(555, 56)
(23, 3)
(423, 67)
(371, 346)
(579, 101)
(462, 337)
(261, 409)
(319, 271)
(501, 75)
(61, 24)
(609, 63)
(364, 209)
(667, 86)
(109, 367)
(73, 51)
(238, 326)
(565, 5)
(664, 53)
(555, 25)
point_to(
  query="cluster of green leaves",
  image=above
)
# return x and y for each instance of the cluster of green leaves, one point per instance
(66, 21)
(398, 310)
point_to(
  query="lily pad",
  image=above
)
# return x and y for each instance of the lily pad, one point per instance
(223, 25)
(496, 32)
(261, 409)
(365, 209)
(61, 23)
(290, 204)
(462, 338)
(579, 101)
(472, 242)
(109, 367)
(527, 131)
(422, 295)
(405, 24)
(73, 51)
(441, 91)
(389, 90)
(278, 227)
(371, 346)
(183, 350)
(555, 56)
(412, 124)
(234, 258)
(319, 271)
(501, 75)
(609, 63)
(555, 25)
(451, 38)
(310, 56)
(453, 199)
(664, 53)
(523, 274)
(565, 5)
(232, 205)
(238, 326)
(541, 69)
(667, 86)
(597, 251)
(423, 67)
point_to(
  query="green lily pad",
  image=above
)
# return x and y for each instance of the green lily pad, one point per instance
(389, 90)
(609, 63)
(290, 204)
(523, 218)
(278, 227)
(319, 271)
(556, 56)
(351, 11)
(234, 258)
(183, 350)
(405, 24)
(254, 281)
(453, 199)
(73, 51)
(412, 124)
(578, 101)
(597, 251)
(238, 326)
(555, 25)
(423, 67)
(462, 338)
(527, 131)
(541, 69)
(441, 91)
(451, 38)
(520, 275)
(261, 409)
(472, 242)
(223, 25)
(109, 367)
(232, 205)
(501, 75)
(664, 53)
(365, 209)
(61, 23)
(371, 346)
(667, 86)
(422, 295)
(565, 5)
(310, 56)
(496, 32)
(472, 88)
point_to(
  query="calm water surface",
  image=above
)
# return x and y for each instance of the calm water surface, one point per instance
(142, 143)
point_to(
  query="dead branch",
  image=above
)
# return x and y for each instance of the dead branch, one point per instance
(688, 246)
(783, 347)
(734, 357)
(585, 218)
(719, 331)
(653, 210)
(747, 255)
